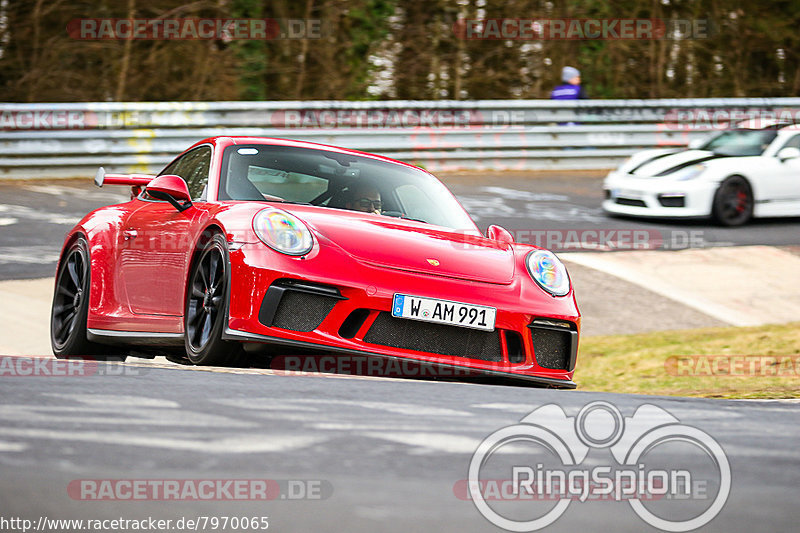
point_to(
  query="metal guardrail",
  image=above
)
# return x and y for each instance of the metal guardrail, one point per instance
(72, 139)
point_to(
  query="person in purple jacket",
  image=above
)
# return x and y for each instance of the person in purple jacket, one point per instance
(571, 88)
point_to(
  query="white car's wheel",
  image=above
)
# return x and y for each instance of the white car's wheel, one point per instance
(733, 202)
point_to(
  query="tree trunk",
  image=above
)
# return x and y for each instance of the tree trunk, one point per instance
(122, 80)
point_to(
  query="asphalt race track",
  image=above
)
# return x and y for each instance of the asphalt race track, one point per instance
(380, 455)
(355, 453)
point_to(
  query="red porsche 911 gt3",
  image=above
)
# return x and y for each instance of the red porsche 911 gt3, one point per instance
(243, 242)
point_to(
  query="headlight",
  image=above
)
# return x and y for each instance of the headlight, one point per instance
(689, 173)
(282, 232)
(546, 270)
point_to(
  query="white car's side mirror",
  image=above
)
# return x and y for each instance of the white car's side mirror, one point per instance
(694, 144)
(789, 153)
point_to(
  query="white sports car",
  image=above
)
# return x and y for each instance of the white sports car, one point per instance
(752, 170)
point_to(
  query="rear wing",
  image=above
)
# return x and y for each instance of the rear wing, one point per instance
(132, 180)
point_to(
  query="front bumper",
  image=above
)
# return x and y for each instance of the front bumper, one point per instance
(333, 302)
(657, 197)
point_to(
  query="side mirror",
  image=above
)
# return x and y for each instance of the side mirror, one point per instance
(694, 144)
(499, 234)
(788, 153)
(172, 189)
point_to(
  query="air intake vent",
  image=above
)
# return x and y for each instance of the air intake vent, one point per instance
(555, 344)
(672, 200)
(434, 338)
(516, 352)
(297, 305)
(631, 201)
(302, 311)
(353, 323)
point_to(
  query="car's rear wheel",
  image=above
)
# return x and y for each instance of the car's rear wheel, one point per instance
(733, 202)
(70, 307)
(206, 309)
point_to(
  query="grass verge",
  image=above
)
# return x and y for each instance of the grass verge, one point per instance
(735, 362)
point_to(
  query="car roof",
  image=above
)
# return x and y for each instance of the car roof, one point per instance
(763, 124)
(227, 140)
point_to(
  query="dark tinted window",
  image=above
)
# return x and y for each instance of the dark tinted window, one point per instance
(192, 167)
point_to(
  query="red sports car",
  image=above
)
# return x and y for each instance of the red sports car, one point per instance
(245, 242)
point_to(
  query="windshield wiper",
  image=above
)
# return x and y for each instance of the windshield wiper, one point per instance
(285, 201)
(398, 214)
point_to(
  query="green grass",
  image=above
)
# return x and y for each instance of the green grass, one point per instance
(647, 363)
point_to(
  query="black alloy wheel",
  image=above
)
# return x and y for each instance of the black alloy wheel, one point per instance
(206, 309)
(733, 202)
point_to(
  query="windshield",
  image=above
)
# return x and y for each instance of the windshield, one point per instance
(741, 142)
(259, 172)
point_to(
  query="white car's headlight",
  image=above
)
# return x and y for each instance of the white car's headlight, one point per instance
(548, 272)
(689, 173)
(282, 232)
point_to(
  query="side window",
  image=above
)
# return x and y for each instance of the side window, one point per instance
(192, 167)
(794, 142)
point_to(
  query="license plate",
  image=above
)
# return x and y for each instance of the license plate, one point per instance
(444, 312)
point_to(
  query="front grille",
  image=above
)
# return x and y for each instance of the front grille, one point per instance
(631, 201)
(434, 338)
(554, 346)
(302, 311)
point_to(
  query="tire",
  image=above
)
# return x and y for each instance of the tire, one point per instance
(205, 314)
(733, 202)
(70, 308)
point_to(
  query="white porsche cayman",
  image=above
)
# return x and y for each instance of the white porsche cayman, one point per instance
(752, 170)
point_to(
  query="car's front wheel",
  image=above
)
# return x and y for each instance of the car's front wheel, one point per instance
(733, 202)
(206, 308)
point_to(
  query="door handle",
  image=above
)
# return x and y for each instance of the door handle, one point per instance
(129, 234)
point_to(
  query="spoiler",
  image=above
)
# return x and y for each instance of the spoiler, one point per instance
(132, 180)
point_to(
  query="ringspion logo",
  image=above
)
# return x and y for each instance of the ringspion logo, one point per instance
(674, 476)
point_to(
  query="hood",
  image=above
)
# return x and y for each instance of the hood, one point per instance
(409, 245)
(667, 163)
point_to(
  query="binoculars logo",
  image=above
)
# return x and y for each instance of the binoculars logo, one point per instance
(560, 474)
